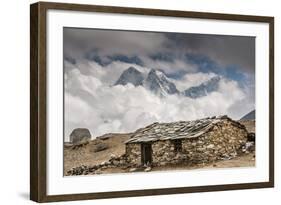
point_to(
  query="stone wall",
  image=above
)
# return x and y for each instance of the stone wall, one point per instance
(133, 153)
(222, 142)
(162, 152)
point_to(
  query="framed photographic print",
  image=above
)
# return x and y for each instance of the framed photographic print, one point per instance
(134, 102)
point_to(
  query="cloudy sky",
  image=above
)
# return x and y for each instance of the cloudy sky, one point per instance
(95, 59)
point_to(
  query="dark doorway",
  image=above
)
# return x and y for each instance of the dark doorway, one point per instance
(146, 154)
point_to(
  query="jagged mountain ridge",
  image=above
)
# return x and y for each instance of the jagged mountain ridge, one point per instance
(203, 89)
(131, 75)
(158, 83)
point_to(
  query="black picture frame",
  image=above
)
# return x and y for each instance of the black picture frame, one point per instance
(38, 101)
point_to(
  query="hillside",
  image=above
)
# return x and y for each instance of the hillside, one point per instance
(249, 124)
(88, 155)
(108, 146)
(250, 116)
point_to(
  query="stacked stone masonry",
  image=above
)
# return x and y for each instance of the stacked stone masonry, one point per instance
(223, 139)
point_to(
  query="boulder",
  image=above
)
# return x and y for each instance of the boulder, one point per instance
(79, 135)
(112, 157)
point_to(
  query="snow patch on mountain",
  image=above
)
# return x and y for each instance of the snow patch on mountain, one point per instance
(157, 82)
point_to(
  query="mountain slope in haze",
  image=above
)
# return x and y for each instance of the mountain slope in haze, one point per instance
(250, 116)
(203, 89)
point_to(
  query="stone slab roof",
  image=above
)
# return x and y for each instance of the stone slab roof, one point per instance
(178, 130)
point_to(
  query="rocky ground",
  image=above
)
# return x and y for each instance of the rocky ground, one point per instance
(95, 152)
(249, 124)
(244, 160)
(106, 155)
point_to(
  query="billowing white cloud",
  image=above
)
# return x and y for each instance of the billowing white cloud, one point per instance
(192, 79)
(108, 74)
(91, 101)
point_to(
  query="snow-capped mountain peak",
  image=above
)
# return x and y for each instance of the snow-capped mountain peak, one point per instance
(158, 83)
(130, 75)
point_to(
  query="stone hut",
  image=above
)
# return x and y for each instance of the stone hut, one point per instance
(198, 141)
(79, 135)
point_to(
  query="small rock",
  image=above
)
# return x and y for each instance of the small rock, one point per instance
(148, 169)
(103, 163)
(210, 146)
(163, 163)
(115, 163)
(112, 156)
(250, 146)
(100, 147)
(122, 161)
(133, 170)
(98, 172)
